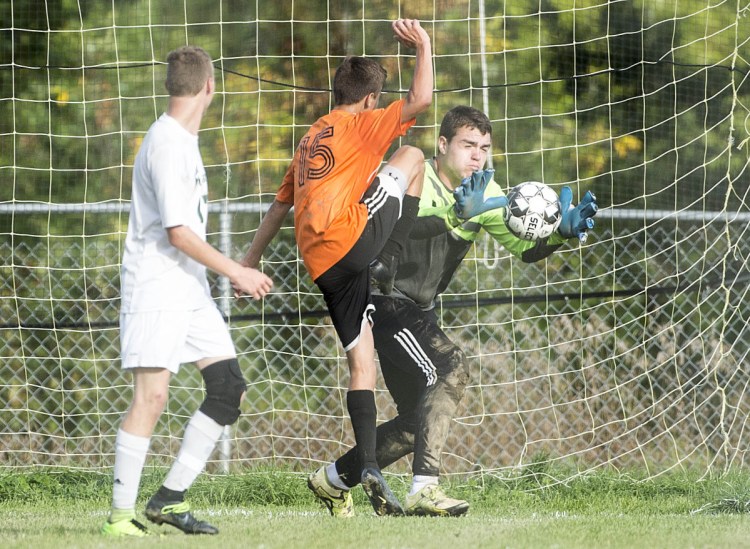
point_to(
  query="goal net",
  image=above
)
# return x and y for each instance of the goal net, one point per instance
(627, 352)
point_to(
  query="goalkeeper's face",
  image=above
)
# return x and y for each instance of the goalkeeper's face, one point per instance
(464, 154)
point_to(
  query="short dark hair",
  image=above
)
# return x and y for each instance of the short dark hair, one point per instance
(188, 68)
(463, 116)
(356, 78)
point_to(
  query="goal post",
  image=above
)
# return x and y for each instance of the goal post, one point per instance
(626, 352)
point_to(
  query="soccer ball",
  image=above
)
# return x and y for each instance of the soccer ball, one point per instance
(533, 211)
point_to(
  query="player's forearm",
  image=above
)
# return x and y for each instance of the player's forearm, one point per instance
(544, 248)
(189, 243)
(419, 97)
(269, 227)
(541, 250)
(433, 222)
(446, 215)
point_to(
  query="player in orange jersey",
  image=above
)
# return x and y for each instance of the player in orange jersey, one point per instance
(347, 208)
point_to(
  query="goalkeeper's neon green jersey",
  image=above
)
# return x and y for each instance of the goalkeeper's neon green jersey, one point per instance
(435, 249)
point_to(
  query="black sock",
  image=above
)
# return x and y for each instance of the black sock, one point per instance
(349, 467)
(393, 441)
(165, 494)
(363, 414)
(402, 229)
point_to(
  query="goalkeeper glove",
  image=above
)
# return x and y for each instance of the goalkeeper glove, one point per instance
(576, 220)
(469, 196)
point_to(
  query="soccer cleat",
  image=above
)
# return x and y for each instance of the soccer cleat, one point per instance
(431, 501)
(382, 276)
(125, 528)
(380, 494)
(338, 502)
(177, 514)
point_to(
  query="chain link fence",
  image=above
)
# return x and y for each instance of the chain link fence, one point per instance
(627, 352)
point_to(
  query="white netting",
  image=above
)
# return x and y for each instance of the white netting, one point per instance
(629, 351)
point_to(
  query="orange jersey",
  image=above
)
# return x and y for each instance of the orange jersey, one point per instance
(332, 168)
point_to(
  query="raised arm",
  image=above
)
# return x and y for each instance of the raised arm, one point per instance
(411, 35)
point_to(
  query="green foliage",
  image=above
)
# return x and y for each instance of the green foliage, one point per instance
(602, 72)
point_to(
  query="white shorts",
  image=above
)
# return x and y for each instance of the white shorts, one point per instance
(166, 339)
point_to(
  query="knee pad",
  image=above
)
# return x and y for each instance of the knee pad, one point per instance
(224, 389)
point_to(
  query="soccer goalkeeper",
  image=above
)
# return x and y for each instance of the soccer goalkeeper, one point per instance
(425, 372)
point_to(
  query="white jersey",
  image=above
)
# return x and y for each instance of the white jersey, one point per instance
(169, 189)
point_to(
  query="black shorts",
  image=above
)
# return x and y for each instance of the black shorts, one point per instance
(346, 285)
(412, 349)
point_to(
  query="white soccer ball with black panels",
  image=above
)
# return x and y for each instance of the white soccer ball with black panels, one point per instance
(533, 211)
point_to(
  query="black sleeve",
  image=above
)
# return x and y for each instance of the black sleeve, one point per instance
(428, 226)
(539, 252)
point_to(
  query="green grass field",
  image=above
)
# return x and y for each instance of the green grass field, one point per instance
(273, 509)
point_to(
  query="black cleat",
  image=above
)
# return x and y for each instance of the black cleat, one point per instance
(380, 494)
(382, 276)
(177, 514)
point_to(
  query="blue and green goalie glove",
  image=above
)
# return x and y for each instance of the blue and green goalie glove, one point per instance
(576, 220)
(469, 196)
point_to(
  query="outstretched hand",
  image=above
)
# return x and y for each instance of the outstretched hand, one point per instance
(410, 33)
(469, 195)
(250, 282)
(576, 220)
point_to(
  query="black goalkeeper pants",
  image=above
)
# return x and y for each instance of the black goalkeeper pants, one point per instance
(426, 374)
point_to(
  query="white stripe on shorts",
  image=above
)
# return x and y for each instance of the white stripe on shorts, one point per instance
(376, 201)
(410, 344)
(366, 318)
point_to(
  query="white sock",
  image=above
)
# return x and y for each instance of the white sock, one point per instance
(130, 455)
(334, 478)
(421, 481)
(201, 435)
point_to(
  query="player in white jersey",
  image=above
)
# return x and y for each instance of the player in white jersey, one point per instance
(167, 315)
